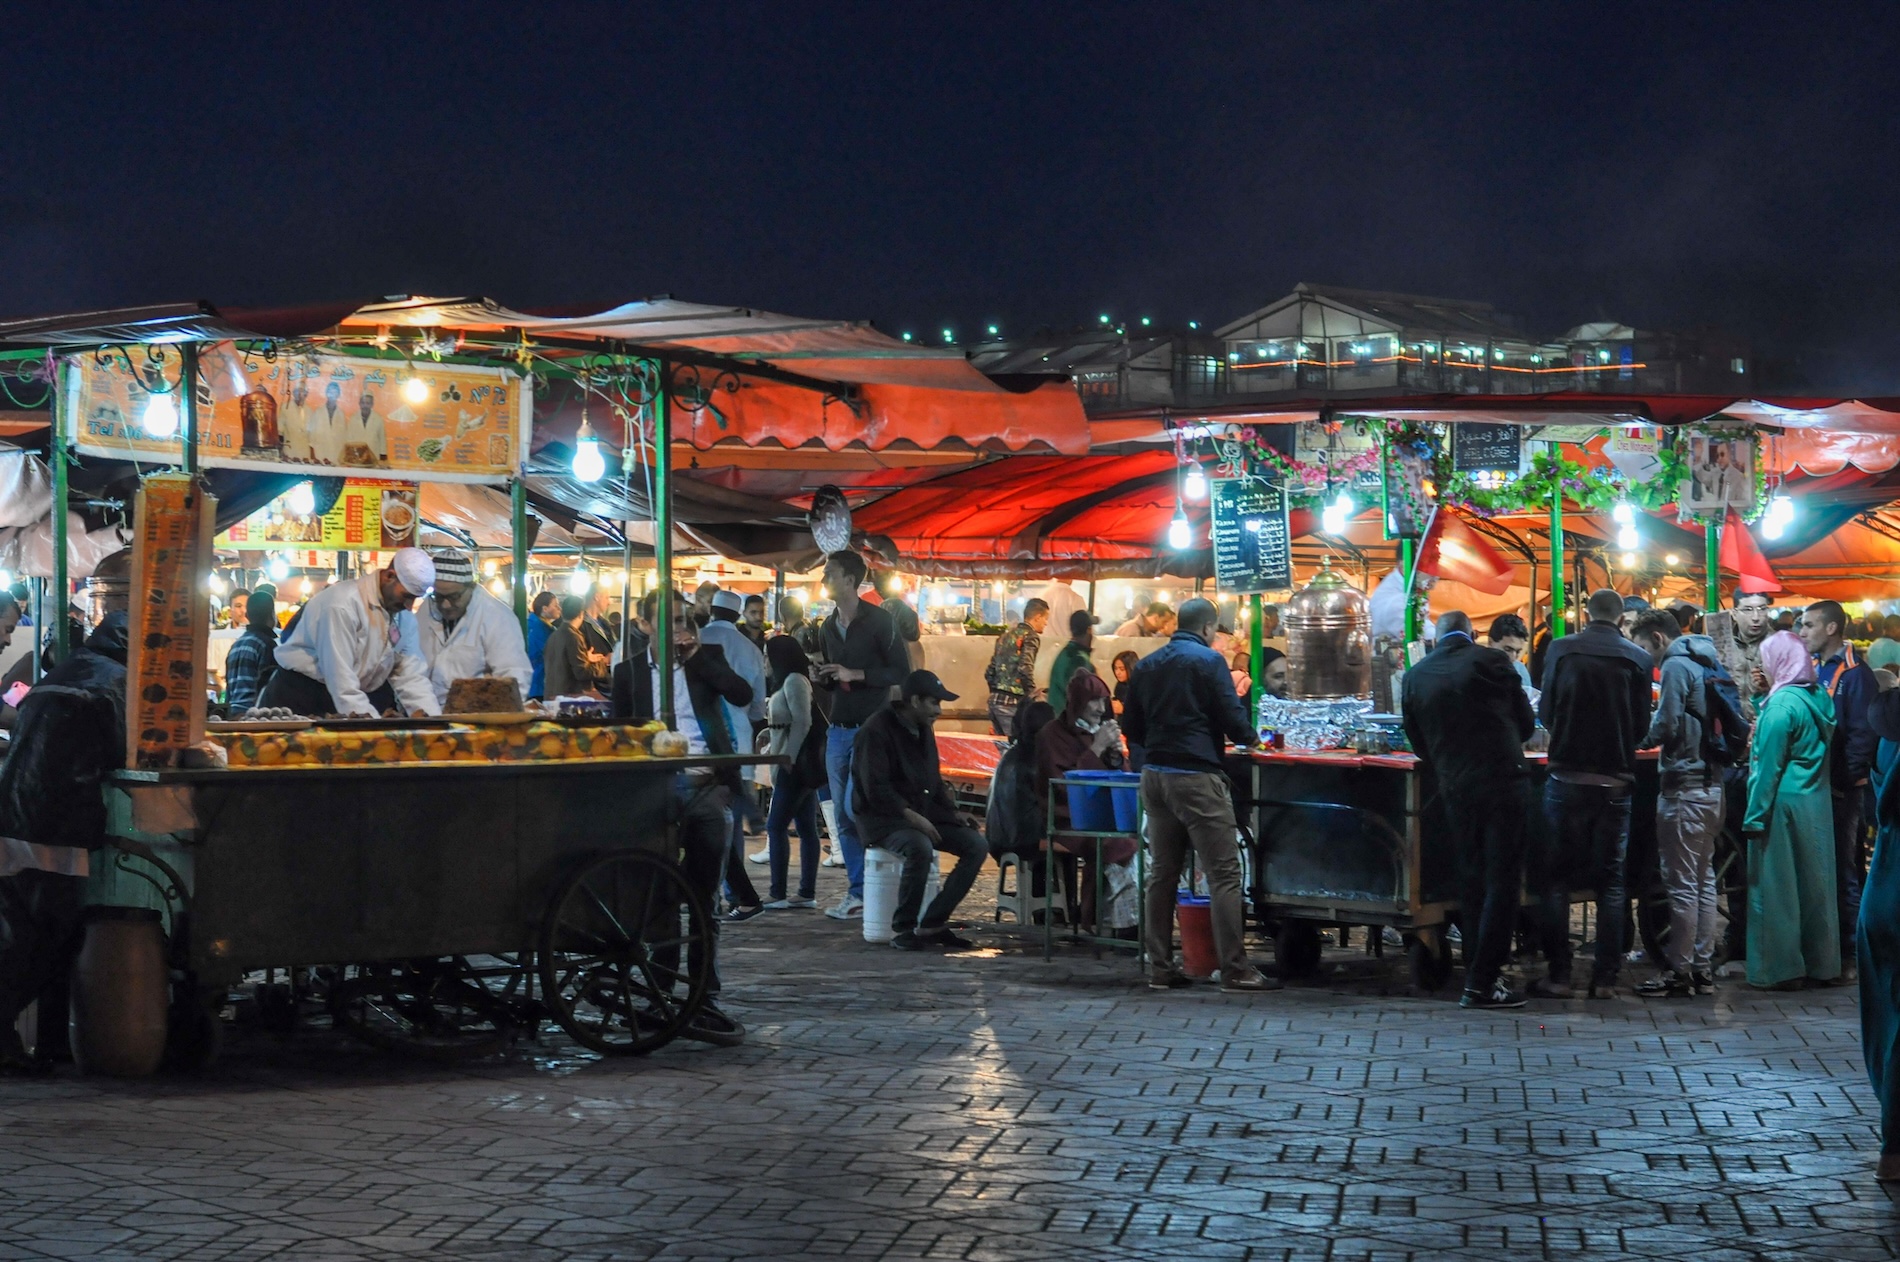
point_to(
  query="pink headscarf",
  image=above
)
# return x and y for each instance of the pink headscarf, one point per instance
(1785, 660)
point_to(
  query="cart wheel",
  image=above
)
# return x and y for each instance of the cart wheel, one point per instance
(1296, 948)
(430, 1009)
(625, 953)
(1430, 963)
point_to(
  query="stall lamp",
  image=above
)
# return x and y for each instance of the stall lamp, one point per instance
(302, 500)
(491, 567)
(214, 584)
(1623, 514)
(1334, 517)
(278, 568)
(498, 587)
(1180, 534)
(589, 464)
(1778, 518)
(579, 581)
(306, 587)
(1195, 486)
(1672, 559)
(415, 390)
(1628, 540)
(1629, 560)
(161, 416)
(6, 578)
(993, 330)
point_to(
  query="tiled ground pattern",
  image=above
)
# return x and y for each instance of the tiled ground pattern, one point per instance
(994, 1107)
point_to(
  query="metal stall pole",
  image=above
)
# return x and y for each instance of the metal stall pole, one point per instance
(663, 545)
(1712, 545)
(518, 514)
(778, 594)
(1556, 559)
(39, 627)
(1408, 563)
(1257, 648)
(188, 386)
(64, 405)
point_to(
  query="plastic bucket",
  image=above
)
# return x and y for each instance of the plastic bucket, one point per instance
(882, 872)
(1105, 809)
(1197, 937)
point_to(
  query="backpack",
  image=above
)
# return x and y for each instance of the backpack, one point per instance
(1725, 730)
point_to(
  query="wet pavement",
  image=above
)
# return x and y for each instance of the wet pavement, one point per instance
(994, 1106)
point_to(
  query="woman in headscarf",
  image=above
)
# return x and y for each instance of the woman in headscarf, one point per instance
(1793, 923)
(1878, 939)
(1014, 822)
(1884, 656)
(1084, 737)
(798, 733)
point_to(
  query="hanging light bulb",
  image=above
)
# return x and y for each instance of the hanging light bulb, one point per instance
(1195, 485)
(589, 464)
(1623, 514)
(580, 580)
(306, 587)
(279, 568)
(302, 500)
(1628, 540)
(1629, 560)
(161, 416)
(498, 587)
(414, 389)
(1336, 515)
(1180, 534)
(1779, 517)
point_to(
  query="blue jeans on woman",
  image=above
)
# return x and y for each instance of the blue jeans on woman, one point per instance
(792, 803)
(838, 744)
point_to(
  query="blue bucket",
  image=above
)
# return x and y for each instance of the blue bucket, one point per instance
(1111, 808)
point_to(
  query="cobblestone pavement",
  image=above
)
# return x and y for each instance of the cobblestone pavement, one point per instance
(993, 1106)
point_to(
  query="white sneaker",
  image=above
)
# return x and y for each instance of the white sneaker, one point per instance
(764, 856)
(848, 907)
(834, 858)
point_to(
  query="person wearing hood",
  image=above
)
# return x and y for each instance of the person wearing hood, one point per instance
(1083, 737)
(349, 652)
(69, 736)
(462, 631)
(1793, 926)
(1878, 939)
(1689, 812)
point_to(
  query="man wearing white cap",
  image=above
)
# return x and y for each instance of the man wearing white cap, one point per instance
(347, 654)
(462, 631)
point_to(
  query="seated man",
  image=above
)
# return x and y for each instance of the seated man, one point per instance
(902, 805)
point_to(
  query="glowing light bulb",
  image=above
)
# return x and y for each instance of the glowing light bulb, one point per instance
(1334, 518)
(1623, 515)
(278, 568)
(1672, 559)
(589, 464)
(302, 500)
(415, 390)
(1627, 539)
(579, 580)
(491, 567)
(498, 587)
(1629, 560)
(1195, 485)
(306, 587)
(1180, 535)
(161, 416)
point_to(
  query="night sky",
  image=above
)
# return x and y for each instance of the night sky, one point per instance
(1672, 166)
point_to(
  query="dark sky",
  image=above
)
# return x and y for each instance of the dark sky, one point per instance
(1669, 165)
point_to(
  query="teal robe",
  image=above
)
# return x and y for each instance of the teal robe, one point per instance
(1793, 917)
(1879, 947)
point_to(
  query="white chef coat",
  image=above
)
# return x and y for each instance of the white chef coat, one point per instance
(348, 642)
(324, 429)
(1062, 600)
(487, 641)
(1388, 609)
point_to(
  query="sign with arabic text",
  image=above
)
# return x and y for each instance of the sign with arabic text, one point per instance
(316, 413)
(1253, 547)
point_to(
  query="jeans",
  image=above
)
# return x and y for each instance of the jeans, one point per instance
(838, 744)
(917, 850)
(1849, 864)
(1003, 707)
(1687, 822)
(739, 888)
(1192, 809)
(1489, 824)
(1587, 830)
(793, 804)
(704, 828)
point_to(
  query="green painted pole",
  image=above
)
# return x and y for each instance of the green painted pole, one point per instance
(1712, 541)
(57, 607)
(1408, 562)
(188, 387)
(518, 513)
(1556, 560)
(663, 545)
(1257, 645)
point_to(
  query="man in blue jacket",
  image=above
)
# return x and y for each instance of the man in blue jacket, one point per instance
(1183, 710)
(1850, 681)
(1595, 705)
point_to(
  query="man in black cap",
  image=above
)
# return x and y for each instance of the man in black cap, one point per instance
(902, 805)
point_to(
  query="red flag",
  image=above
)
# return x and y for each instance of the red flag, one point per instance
(1452, 549)
(1739, 553)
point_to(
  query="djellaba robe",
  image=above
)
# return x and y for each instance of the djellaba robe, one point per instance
(1793, 919)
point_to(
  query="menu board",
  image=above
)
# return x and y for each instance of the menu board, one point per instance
(369, 516)
(166, 667)
(1477, 447)
(1253, 547)
(316, 413)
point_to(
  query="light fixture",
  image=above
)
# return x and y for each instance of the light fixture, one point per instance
(498, 587)
(414, 389)
(993, 330)
(1623, 514)
(491, 567)
(1672, 559)
(1104, 319)
(214, 584)
(1779, 517)
(161, 416)
(1145, 322)
(306, 587)
(1334, 517)
(589, 464)
(1194, 486)
(579, 580)
(302, 500)
(278, 568)
(907, 337)
(1194, 324)
(1628, 540)
(1180, 534)
(1629, 560)
(949, 335)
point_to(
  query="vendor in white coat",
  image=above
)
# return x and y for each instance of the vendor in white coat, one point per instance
(347, 654)
(463, 632)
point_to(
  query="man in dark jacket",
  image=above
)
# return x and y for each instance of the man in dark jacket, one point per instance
(701, 682)
(1595, 704)
(1839, 669)
(902, 805)
(69, 736)
(1468, 717)
(1183, 710)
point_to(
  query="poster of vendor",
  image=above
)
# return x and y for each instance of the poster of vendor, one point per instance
(1721, 475)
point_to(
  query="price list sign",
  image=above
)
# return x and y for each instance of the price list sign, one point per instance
(170, 619)
(1253, 547)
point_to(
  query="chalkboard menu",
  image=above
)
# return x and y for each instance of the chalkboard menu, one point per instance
(1253, 549)
(1481, 448)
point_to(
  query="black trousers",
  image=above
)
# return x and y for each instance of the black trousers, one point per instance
(39, 933)
(704, 825)
(1489, 823)
(300, 694)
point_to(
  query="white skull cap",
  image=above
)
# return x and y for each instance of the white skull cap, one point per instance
(415, 569)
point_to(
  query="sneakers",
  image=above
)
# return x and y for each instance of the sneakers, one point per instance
(848, 907)
(1702, 982)
(1251, 980)
(790, 904)
(1499, 996)
(1668, 984)
(739, 914)
(1550, 988)
(1169, 980)
(944, 940)
(763, 856)
(905, 941)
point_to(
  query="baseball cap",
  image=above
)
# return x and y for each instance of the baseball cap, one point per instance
(924, 683)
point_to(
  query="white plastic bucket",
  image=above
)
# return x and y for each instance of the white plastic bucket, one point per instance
(882, 871)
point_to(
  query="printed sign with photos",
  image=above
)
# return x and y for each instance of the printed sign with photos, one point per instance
(1721, 475)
